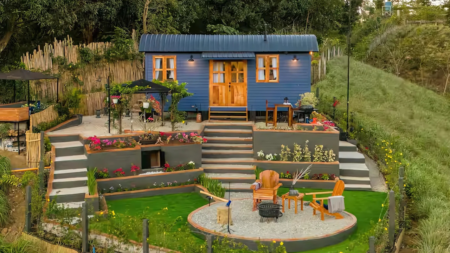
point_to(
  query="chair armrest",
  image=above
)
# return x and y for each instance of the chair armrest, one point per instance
(318, 193)
(320, 198)
(278, 186)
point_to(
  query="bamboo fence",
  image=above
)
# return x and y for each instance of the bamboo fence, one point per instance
(93, 76)
(319, 70)
(33, 149)
(46, 115)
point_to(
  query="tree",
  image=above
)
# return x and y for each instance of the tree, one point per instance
(398, 53)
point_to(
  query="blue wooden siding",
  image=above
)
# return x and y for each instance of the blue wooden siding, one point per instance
(295, 79)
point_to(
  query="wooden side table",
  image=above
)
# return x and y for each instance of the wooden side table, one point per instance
(295, 198)
(290, 113)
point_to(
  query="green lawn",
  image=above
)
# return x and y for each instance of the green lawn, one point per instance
(366, 206)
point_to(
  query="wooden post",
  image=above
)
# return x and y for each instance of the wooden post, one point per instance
(209, 243)
(41, 175)
(391, 218)
(41, 146)
(28, 210)
(145, 235)
(84, 228)
(372, 244)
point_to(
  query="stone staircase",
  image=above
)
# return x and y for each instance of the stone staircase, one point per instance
(228, 155)
(352, 168)
(70, 175)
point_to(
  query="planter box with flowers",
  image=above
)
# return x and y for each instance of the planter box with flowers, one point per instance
(271, 140)
(171, 176)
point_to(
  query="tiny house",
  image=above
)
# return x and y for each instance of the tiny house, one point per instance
(232, 73)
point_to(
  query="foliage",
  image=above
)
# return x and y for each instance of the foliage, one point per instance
(297, 154)
(285, 153)
(5, 165)
(421, 147)
(73, 99)
(7, 181)
(214, 186)
(86, 55)
(189, 138)
(4, 208)
(47, 125)
(222, 29)
(28, 178)
(91, 183)
(308, 98)
(188, 166)
(122, 47)
(155, 185)
(96, 144)
(258, 171)
(306, 153)
(19, 245)
(178, 91)
(47, 144)
(102, 174)
(4, 130)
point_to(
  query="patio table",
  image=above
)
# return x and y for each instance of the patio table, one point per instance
(290, 113)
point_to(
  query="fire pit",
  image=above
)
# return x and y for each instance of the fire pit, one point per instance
(269, 210)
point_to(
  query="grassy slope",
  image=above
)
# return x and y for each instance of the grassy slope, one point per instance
(416, 120)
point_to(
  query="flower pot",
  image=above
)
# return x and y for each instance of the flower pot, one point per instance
(292, 191)
(115, 100)
(145, 105)
(97, 112)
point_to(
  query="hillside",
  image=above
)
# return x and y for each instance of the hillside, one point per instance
(414, 122)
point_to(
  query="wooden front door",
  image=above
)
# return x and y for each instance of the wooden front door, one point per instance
(228, 83)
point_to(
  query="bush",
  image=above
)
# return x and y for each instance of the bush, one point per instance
(214, 186)
(86, 55)
(47, 144)
(27, 178)
(92, 184)
(47, 125)
(4, 209)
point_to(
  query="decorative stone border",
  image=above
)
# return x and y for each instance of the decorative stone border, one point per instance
(150, 179)
(291, 244)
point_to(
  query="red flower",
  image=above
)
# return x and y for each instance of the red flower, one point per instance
(205, 140)
(335, 103)
(166, 165)
(162, 133)
(367, 148)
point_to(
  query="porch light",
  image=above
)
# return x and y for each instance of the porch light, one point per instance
(191, 59)
(295, 58)
(310, 52)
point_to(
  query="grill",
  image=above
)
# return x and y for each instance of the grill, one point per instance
(269, 210)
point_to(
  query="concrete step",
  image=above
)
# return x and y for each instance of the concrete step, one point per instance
(70, 205)
(227, 132)
(211, 153)
(245, 161)
(70, 173)
(353, 169)
(227, 146)
(228, 168)
(358, 187)
(237, 187)
(237, 125)
(70, 162)
(351, 157)
(63, 138)
(347, 147)
(63, 195)
(69, 182)
(68, 148)
(355, 180)
(229, 140)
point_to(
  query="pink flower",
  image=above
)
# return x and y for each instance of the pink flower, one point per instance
(150, 118)
(193, 134)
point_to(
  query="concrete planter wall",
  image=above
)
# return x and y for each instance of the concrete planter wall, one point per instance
(92, 202)
(175, 155)
(270, 141)
(115, 158)
(317, 168)
(148, 180)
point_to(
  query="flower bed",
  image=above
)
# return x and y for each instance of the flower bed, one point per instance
(270, 141)
(283, 167)
(307, 176)
(299, 154)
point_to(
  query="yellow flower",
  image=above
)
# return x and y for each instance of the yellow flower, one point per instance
(179, 229)
(385, 228)
(182, 122)
(101, 212)
(274, 241)
(383, 140)
(362, 129)
(48, 200)
(281, 243)
(379, 220)
(113, 213)
(404, 185)
(400, 163)
(382, 205)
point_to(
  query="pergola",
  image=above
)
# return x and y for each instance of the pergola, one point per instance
(151, 88)
(24, 75)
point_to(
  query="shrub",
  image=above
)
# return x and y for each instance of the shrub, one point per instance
(4, 209)
(28, 178)
(214, 186)
(92, 184)
(308, 98)
(47, 144)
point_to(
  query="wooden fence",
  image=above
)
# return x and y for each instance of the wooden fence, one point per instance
(319, 66)
(34, 148)
(46, 115)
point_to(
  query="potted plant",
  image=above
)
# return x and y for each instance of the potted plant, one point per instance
(298, 175)
(148, 138)
(115, 99)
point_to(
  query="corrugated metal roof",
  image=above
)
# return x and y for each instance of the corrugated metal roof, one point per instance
(227, 43)
(233, 55)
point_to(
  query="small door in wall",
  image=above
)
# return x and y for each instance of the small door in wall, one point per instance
(152, 159)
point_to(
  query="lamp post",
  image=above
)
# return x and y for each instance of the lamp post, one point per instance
(109, 105)
(348, 64)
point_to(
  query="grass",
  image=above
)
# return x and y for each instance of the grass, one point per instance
(366, 206)
(214, 186)
(91, 182)
(414, 121)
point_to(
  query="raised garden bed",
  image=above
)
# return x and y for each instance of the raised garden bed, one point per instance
(150, 192)
(283, 167)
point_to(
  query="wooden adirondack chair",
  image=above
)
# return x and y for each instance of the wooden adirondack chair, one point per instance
(269, 181)
(337, 191)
